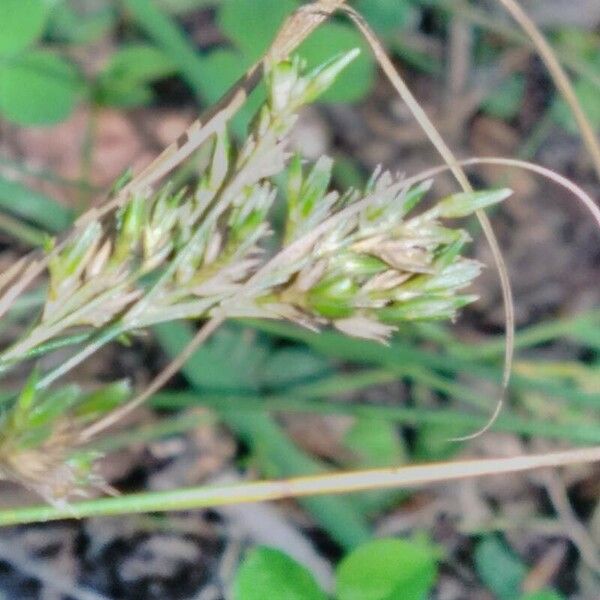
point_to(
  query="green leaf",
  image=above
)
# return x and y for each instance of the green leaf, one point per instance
(386, 16)
(140, 63)
(227, 361)
(21, 23)
(124, 95)
(180, 7)
(34, 206)
(375, 443)
(292, 366)
(166, 34)
(101, 401)
(85, 23)
(279, 457)
(505, 101)
(434, 441)
(38, 88)
(499, 568)
(269, 573)
(54, 405)
(223, 68)
(24, 404)
(252, 25)
(324, 77)
(543, 595)
(124, 81)
(388, 569)
(587, 94)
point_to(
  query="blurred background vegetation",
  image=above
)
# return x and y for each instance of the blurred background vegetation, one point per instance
(91, 87)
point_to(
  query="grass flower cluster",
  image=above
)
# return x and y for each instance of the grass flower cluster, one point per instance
(363, 261)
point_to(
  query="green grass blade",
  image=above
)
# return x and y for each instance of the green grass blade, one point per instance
(21, 231)
(405, 359)
(34, 206)
(278, 455)
(454, 419)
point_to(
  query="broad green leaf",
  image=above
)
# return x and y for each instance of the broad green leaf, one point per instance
(388, 569)
(375, 443)
(228, 362)
(325, 75)
(505, 100)
(222, 68)
(124, 81)
(38, 88)
(178, 7)
(543, 595)
(82, 23)
(21, 23)
(167, 34)
(499, 568)
(386, 16)
(124, 95)
(587, 93)
(252, 25)
(269, 573)
(140, 63)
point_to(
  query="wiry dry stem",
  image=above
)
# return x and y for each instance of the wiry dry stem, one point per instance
(559, 77)
(447, 154)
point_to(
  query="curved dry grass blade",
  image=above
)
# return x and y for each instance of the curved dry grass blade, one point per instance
(560, 78)
(447, 154)
(579, 193)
